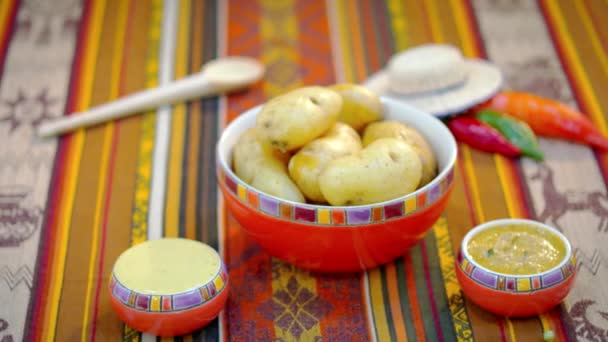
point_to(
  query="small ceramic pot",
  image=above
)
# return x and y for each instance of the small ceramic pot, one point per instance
(515, 295)
(168, 287)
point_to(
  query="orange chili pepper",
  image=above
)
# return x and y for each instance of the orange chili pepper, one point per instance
(547, 117)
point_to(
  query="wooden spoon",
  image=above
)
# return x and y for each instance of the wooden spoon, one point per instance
(216, 77)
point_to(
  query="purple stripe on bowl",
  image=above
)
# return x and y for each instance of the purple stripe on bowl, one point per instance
(142, 302)
(231, 184)
(269, 205)
(393, 210)
(186, 300)
(305, 214)
(358, 216)
(484, 277)
(121, 292)
(552, 278)
(434, 193)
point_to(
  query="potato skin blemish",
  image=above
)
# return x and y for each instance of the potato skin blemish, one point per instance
(394, 157)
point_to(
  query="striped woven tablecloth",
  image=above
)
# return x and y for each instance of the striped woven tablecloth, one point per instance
(70, 206)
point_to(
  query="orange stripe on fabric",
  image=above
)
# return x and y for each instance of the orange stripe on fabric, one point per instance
(395, 302)
(592, 35)
(39, 319)
(465, 31)
(355, 36)
(509, 186)
(594, 63)
(367, 36)
(378, 305)
(178, 128)
(596, 9)
(472, 182)
(574, 62)
(85, 83)
(118, 49)
(399, 25)
(413, 297)
(74, 154)
(4, 13)
(99, 209)
(434, 21)
(419, 29)
(194, 123)
(345, 41)
(580, 81)
(7, 9)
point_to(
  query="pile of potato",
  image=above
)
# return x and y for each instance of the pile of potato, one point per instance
(328, 145)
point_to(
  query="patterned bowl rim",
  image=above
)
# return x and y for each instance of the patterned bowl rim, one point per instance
(510, 221)
(445, 174)
(166, 303)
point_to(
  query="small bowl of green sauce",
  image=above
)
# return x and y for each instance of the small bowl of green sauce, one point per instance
(515, 267)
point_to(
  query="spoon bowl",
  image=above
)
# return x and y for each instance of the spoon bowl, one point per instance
(233, 71)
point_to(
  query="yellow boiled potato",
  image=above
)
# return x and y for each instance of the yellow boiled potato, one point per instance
(384, 170)
(306, 165)
(288, 122)
(360, 105)
(263, 167)
(396, 129)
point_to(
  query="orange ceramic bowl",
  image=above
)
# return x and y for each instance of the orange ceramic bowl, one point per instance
(515, 295)
(168, 287)
(340, 239)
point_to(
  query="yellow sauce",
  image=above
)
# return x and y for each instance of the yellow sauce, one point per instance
(517, 249)
(167, 266)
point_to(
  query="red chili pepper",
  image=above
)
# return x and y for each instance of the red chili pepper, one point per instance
(483, 137)
(547, 117)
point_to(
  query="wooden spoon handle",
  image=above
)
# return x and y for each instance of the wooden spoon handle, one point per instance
(183, 89)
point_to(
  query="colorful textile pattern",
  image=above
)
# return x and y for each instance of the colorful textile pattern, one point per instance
(69, 206)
